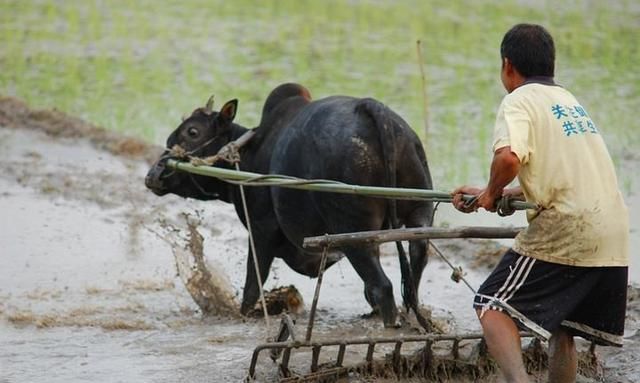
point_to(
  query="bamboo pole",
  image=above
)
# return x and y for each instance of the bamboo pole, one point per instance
(425, 104)
(255, 179)
(408, 234)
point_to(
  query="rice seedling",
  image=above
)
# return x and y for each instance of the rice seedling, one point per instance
(138, 67)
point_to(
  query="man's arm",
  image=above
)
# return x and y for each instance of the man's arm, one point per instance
(504, 168)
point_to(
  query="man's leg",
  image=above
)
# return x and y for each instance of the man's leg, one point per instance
(503, 340)
(563, 359)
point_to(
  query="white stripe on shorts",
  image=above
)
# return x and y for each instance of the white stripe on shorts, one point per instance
(516, 278)
(524, 278)
(511, 274)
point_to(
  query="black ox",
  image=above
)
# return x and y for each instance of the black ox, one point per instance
(356, 141)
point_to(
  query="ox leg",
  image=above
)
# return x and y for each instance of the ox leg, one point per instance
(419, 259)
(251, 291)
(378, 290)
(418, 249)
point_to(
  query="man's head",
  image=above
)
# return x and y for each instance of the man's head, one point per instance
(529, 49)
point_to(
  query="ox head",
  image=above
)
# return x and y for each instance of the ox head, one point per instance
(202, 134)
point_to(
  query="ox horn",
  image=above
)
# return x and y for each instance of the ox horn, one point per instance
(208, 109)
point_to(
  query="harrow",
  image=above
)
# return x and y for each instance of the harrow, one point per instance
(405, 356)
(423, 361)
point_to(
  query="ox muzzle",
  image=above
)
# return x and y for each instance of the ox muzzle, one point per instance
(154, 179)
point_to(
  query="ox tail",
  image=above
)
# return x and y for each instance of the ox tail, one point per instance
(386, 124)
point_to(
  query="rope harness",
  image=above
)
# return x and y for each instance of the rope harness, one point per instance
(229, 153)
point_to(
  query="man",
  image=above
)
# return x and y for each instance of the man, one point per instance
(567, 271)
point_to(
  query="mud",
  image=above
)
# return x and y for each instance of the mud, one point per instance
(209, 289)
(90, 286)
(16, 114)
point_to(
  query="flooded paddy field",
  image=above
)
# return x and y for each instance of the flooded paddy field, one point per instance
(89, 289)
(89, 284)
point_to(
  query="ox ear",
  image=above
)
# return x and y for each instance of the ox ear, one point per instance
(228, 110)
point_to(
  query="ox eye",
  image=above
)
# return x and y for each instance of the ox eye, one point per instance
(192, 132)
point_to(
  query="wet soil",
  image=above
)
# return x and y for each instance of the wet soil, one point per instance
(92, 288)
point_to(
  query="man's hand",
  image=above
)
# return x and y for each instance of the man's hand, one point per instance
(483, 199)
(504, 168)
(487, 201)
(466, 206)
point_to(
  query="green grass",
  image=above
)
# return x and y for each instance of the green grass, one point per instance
(138, 67)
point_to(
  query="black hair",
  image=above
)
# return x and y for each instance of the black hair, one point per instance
(530, 49)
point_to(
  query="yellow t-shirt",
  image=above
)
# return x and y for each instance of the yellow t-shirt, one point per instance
(565, 169)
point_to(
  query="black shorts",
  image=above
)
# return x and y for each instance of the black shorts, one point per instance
(588, 301)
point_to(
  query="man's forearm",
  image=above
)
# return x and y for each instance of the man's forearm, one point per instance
(504, 168)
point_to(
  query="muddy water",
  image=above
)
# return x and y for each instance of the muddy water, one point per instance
(89, 291)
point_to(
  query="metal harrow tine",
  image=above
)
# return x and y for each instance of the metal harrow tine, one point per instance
(286, 330)
(284, 366)
(455, 349)
(427, 352)
(341, 350)
(315, 354)
(396, 357)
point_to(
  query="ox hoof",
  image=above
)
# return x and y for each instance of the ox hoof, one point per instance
(245, 308)
(373, 314)
(395, 324)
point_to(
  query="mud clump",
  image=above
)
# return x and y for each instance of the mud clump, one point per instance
(279, 300)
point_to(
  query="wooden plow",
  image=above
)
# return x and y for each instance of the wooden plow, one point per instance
(422, 361)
